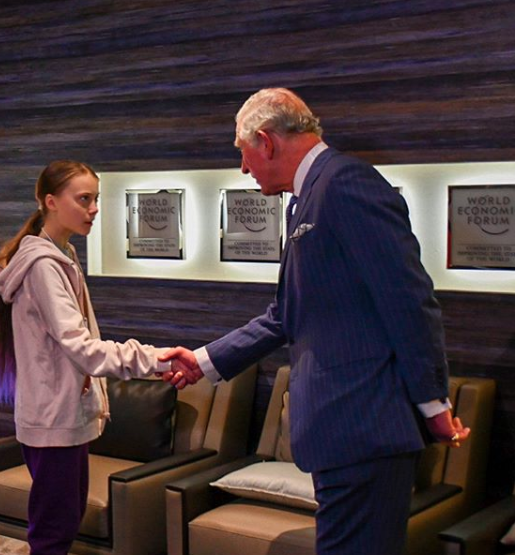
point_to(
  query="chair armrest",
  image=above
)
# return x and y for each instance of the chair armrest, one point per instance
(198, 496)
(480, 533)
(138, 504)
(167, 463)
(423, 500)
(10, 453)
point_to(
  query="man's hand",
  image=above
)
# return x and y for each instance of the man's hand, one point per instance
(184, 369)
(447, 430)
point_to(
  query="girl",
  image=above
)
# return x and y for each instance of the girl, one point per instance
(50, 343)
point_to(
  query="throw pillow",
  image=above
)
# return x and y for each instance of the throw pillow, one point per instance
(278, 482)
(141, 425)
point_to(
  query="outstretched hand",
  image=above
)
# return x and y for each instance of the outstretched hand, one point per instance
(447, 430)
(184, 369)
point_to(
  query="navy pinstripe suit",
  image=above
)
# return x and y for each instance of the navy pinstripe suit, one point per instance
(357, 310)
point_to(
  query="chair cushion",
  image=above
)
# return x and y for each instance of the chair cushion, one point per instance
(278, 482)
(96, 520)
(15, 484)
(252, 527)
(141, 425)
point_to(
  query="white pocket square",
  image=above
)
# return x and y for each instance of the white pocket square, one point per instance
(301, 230)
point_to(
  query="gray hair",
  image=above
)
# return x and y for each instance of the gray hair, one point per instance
(279, 110)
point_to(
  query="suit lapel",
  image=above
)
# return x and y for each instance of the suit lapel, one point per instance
(305, 195)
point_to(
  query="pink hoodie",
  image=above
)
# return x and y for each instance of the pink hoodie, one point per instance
(56, 347)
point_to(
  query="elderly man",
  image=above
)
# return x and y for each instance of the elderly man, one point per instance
(364, 331)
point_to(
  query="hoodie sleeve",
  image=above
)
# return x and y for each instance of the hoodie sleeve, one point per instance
(58, 310)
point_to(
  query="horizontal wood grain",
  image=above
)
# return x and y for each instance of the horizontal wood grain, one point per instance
(144, 85)
(155, 85)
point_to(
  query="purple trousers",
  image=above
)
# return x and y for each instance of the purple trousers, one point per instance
(58, 496)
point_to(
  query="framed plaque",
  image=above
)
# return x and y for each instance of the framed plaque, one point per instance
(154, 223)
(251, 226)
(481, 227)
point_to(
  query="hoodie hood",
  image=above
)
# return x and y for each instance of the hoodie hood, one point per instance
(31, 249)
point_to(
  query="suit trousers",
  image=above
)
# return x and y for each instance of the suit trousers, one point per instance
(364, 508)
(58, 497)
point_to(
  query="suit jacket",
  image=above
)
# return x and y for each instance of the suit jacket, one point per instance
(357, 310)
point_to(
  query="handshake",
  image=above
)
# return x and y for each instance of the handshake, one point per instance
(184, 368)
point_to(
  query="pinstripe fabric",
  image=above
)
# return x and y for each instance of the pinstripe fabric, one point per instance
(346, 520)
(358, 311)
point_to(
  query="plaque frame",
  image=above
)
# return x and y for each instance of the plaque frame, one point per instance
(267, 243)
(494, 216)
(175, 252)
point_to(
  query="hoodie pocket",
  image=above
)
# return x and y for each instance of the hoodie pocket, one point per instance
(91, 404)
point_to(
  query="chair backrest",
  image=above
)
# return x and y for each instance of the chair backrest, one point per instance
(431, 465)
(146, 427)
(473, 403)
(466, 466)
(275, 436)
(192, 412)
(215, 417)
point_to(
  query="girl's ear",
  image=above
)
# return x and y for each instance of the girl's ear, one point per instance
(50, 202)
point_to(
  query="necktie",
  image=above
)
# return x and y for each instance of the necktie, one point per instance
(289, 209)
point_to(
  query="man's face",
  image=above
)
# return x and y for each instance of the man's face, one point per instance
(264, 167)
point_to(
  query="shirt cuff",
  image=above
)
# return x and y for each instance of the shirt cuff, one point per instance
(206, 365)
(432, 408)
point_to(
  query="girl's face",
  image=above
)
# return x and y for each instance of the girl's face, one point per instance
(75, 207)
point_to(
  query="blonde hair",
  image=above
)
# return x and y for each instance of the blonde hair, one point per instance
(278, 110)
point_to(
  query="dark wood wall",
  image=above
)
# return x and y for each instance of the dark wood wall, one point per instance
(154, 85)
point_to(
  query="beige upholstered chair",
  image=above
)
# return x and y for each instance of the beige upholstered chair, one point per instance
(254, 515)
(131, 465)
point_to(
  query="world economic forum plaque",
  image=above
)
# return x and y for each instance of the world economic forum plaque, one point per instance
(481, 227)
(250, 226)
(154, 223)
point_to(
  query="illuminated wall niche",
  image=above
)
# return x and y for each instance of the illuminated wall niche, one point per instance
(425, 187)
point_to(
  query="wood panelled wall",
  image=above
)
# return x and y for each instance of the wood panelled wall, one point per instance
(154, 85)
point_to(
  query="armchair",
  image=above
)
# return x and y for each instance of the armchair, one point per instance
(130, 467)
(262, 519)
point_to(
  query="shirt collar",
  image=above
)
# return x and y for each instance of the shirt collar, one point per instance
(305, 165)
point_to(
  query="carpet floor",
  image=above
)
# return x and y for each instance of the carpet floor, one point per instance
(10, 546)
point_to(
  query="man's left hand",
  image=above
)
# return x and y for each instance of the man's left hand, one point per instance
(447, 430)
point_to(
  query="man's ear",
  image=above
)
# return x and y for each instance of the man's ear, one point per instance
(266, 140)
